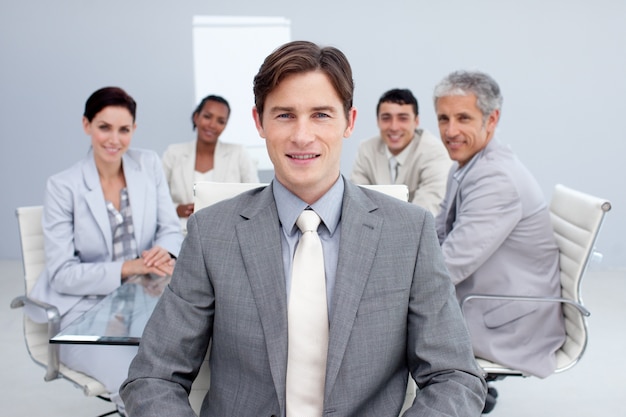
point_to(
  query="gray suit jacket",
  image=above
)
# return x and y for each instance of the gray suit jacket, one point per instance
(77, 231)
(394, 312)
(496, 237)
(424, 171)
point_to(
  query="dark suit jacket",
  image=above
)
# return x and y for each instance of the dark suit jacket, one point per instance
(394, 312)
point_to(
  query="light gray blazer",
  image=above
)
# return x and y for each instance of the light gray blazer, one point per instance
(231, 164)
(425, 170)
(77, 231)
(501, 242)
(394, 312)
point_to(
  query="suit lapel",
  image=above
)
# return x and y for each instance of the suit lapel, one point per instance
(259, 240)
(137, 190)
(188, 168)
(452, 203)
(360, 233)
(221, 156)
(95, 200)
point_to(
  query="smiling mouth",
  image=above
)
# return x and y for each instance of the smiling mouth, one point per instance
(304, 157)
(455, 142)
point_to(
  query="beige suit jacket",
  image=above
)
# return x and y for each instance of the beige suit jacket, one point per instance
(424, 171)
(231, 164)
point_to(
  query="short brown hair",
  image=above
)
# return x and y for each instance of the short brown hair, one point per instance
(299, 57)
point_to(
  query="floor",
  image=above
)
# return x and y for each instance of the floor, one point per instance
(592, 388)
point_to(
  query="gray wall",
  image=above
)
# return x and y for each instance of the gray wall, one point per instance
(561, 65)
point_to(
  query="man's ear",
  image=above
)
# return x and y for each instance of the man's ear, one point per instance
(351, 120)
(257, 122)
(492, 120)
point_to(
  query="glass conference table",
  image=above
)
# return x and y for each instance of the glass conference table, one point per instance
(120, 317)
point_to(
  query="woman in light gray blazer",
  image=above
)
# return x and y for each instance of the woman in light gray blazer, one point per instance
(106, 218)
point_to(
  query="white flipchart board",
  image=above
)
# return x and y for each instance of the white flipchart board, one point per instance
(228, 51)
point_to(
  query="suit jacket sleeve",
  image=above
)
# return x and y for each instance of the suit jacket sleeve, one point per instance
(179, 329)
(168, 161)
(247, 167)
(488, 208)
(440, 357)
(168, 234)
(362, 169)
(75, 265)
(178, 165)
(434, 163)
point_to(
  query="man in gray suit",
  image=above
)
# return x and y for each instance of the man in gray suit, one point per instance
(391, 306)
(495, 231)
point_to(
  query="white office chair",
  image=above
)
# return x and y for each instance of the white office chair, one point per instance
(399, 191)
(207, 193)
(37, 335)
(576, 220)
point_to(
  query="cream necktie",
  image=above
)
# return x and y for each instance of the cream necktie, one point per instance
(307, 323)
(393, 169)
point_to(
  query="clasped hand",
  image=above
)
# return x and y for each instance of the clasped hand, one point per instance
(152, 261)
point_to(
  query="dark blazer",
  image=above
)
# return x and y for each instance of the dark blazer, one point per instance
(394, 312)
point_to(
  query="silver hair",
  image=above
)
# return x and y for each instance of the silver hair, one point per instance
(463, 83)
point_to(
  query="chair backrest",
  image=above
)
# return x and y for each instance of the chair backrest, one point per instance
(36, 335)
(31, 240)
(207, 192)
(576, 220)
(399, 191)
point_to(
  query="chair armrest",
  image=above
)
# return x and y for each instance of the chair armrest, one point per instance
(54, 324)
(573, 303)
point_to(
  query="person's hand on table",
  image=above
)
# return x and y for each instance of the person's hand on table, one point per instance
(159, 261)
(153, 261)
(184, 210)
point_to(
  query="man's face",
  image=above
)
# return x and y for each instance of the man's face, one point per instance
(397, 124)
(304, 125)
(461, 126)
